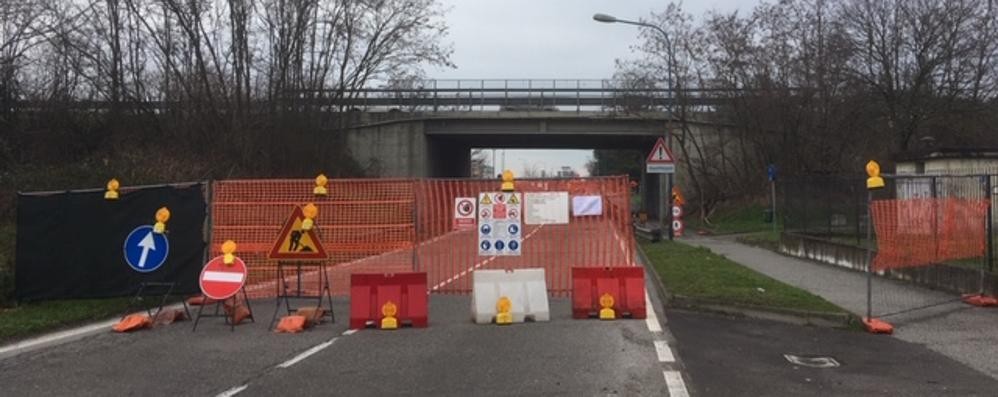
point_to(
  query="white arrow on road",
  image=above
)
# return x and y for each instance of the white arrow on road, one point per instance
(147, 244)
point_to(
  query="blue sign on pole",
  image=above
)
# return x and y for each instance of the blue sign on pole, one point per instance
(771, 172)
(145, 250)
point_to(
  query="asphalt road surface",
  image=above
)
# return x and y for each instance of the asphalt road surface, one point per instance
(727, 356)
(452, 356)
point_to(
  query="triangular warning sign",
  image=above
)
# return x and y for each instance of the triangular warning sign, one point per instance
(660, 154)
(513, 199)
(486, 200)
(296, 244)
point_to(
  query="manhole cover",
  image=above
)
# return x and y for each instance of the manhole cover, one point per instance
(812, 361)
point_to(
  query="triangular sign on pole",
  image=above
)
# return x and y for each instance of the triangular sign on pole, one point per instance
(296, 244)
(660, 160)
(660, 154)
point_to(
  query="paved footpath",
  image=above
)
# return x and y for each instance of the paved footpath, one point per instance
(964, 333)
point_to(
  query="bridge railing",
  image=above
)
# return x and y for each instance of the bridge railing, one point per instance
(510, 95)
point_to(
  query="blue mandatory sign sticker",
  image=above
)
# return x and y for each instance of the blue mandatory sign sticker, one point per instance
(486, 245)
(513, 245)
(514, 229)
(146, 250)
(486, 228)
(500, 245)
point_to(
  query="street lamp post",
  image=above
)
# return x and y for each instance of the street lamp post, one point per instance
(665, 215)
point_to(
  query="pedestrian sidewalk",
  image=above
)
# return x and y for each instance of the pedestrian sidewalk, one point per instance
(964, 333)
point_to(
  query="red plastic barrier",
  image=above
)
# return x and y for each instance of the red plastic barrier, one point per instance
(370, 292)
(625, 284)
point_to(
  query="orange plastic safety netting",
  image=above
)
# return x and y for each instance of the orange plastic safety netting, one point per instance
(358, 219)
(385, 226)
(449, 256)
(919, 232)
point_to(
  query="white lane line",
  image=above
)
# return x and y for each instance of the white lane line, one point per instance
(233, 391)
(677, 388)
(349, 332)
(651, 319)
(56, 338)
(477, 265)
(306, 353)
(664, 352)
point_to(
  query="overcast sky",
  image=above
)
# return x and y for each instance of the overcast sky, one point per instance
(549, 39)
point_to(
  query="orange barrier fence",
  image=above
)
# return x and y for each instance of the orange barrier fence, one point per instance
(919, 232)
(390, 226)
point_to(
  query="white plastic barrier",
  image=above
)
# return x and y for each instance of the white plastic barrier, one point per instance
(525, 288)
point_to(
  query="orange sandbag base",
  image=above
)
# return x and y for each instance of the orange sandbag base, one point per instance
(291, 324)
(877, 326)
(132, 322)
(980, 300)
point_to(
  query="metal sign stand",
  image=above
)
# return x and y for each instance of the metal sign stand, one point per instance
(229, 319)
(323, 293)
(144, 292)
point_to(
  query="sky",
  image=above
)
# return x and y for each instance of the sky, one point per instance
(549, 39)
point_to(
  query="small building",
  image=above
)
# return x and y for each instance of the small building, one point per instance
(949, 161)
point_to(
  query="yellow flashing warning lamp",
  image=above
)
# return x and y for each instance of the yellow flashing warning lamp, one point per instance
(112, 189)
(320, 185)
(310, 211)
(162, 215)
(389, 310)
(507, 181)
(228, 247)
(503, 308)
(606, 313)
(875, 181)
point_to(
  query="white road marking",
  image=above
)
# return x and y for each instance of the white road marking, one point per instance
(349, 332)
(664, 352)
(677, 388)
(651, 319)
(58, 337)
(233, 391)
(306, 353)
(476, 266)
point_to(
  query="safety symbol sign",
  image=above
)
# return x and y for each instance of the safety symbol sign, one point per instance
(464, 213)
(295, 243)
(499, 227)
(146, 250)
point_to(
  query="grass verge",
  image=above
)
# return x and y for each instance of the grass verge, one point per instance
(34, 318)
(699, 274)
(741, 219)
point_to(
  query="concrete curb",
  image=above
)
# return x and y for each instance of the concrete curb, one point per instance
(798, 317)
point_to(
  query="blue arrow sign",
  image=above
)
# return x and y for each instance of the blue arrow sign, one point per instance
(145, 250)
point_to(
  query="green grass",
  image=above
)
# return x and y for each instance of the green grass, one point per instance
(741, 219)
(34, 318)
(768, 239)
(699, 274)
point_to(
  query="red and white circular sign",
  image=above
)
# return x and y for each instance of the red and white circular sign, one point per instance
(220, 281)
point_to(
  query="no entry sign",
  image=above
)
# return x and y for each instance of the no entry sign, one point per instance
(220, 281)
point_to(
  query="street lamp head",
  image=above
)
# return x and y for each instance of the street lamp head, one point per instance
(604, 18)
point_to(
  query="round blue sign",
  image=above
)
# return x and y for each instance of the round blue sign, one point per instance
(145, 250)
(514, 229)
(486, 245)
(486, 228)
(500, 245)
(513, 245)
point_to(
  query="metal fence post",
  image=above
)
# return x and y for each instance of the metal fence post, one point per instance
(989, 193)
(869, 255)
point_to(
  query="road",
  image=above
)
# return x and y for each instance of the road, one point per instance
(452, 356)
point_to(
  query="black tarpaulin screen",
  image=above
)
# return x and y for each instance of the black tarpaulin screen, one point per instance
(70, 244)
